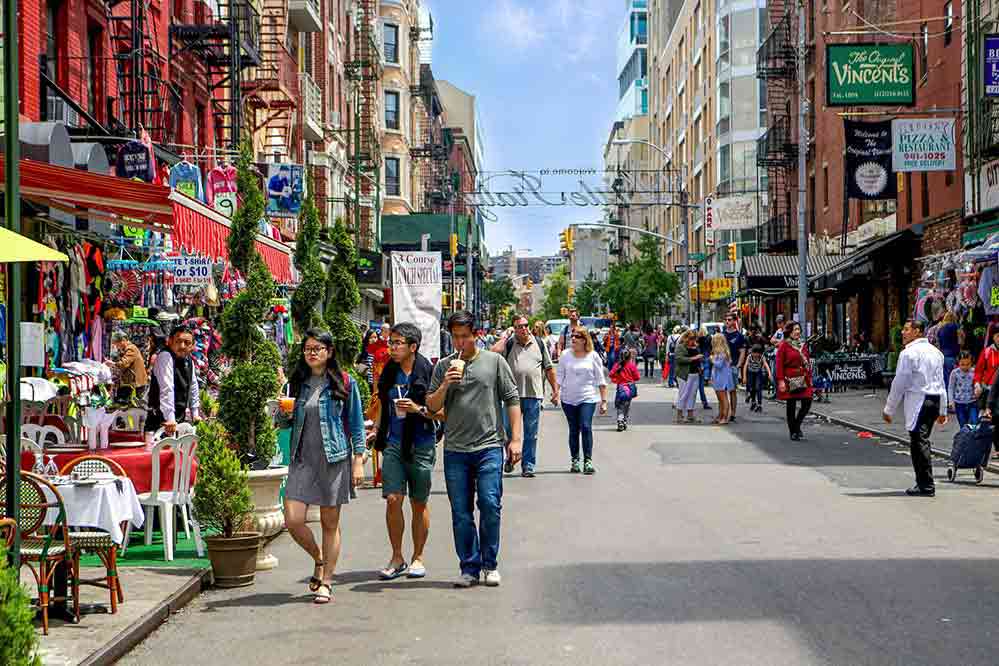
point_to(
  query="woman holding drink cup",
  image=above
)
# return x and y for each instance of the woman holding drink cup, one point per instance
(327, 453)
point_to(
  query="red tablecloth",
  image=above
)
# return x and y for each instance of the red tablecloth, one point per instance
(137, 463)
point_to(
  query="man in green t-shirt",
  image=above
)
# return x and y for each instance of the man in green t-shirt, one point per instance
(473, 386)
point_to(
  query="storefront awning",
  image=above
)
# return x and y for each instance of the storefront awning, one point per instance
(199, 229)
(776, 274)
(884, 252)
(84, 193)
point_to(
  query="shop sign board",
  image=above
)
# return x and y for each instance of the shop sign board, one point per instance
(990, 68)
(285, 189)
(923, 144)
(869, 160)
(870, 75)
(417, 292)
(193, 270)
(735, 211)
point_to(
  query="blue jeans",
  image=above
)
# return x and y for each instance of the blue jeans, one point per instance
(530, 408)
(950, 362)
(967, 413)
(611, 358)
(580, 418)
(754, 386)
(671, 380)
(470, 475)
(705, 373)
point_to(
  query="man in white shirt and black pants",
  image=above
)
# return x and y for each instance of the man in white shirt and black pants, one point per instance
(919, 383)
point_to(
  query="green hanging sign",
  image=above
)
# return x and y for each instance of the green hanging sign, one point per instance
(870, 75)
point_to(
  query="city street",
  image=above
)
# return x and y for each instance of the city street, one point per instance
(692, 544)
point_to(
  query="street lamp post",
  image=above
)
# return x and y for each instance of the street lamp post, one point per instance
(683, 215)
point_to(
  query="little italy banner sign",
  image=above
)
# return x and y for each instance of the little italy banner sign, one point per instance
(870, 75)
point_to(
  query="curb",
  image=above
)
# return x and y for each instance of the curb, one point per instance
(883, 434)
(132, 635)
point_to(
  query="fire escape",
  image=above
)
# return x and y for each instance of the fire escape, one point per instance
(777, 149)
(220, 47)
(438, 184)
(146, 99)
(364, 153)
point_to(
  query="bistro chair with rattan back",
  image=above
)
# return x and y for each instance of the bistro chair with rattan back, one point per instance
(33, 412)
(7, 529)
(44, 547)
(98, 542)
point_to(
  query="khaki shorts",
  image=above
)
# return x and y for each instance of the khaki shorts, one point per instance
(398, 476)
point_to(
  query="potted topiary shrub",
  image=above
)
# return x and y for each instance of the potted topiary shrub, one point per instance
(253, 378)
(222, 504)
(18, 640)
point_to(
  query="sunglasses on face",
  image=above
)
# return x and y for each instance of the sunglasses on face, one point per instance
(520, 325)
(576, 336)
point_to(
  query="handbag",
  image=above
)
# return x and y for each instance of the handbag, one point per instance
(626, 392)
(796, 384)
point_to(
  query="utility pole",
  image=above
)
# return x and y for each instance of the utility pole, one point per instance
(802, 156)
(686, 246)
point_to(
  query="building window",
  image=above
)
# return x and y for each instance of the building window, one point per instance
(93, 68)
(52, 44)
(825, 186)
(393, 185)
(392, 110)
(924, 43)
(949, 23)
(391, 42)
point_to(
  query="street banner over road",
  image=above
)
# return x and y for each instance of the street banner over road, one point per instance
(923, 144)
(417, 290)
(870, 75)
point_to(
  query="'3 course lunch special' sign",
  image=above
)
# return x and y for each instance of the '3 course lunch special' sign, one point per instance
(870, 75)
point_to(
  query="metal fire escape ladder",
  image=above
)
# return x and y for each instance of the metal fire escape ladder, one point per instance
(365, 159)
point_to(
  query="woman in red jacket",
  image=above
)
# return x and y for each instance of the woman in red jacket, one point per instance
(625, 373)
(794, 378)
(985, 369)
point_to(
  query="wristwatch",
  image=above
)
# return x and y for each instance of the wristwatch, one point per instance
(424, 412)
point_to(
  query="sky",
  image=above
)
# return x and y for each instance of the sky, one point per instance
(544, 77)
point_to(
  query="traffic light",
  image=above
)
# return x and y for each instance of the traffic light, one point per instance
(732, 252)
(454, 245)
(572, 291)
(563, 240)
(570, 240)
(530, 283)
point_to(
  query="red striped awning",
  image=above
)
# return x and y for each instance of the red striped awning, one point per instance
(198, 229)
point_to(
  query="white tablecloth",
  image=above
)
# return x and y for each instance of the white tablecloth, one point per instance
(102, 506)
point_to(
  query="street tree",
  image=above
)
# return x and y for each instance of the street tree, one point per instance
(498, 294)
(587, 298)
(638, 288)
(556, 293)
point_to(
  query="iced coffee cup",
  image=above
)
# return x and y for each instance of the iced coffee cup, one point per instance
(459, 365)
(399, 411)
(287, 404)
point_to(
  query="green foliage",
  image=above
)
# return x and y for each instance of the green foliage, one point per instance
(209, 404)
(18, 640)
(896, 337)
(498, 294)
(640, 288)
(253, 378)
(556, 293)
(362, 388)
(222, 503)
(587, 298)
(311, 291)
(342, 296)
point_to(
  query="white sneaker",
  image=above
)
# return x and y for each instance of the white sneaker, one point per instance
(466, 580)
(493, 578)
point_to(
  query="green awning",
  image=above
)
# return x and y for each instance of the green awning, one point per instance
(980, 232)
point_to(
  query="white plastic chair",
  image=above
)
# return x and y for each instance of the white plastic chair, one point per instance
(184, 492)
(41, 434)
(164, 500)
(129, 420)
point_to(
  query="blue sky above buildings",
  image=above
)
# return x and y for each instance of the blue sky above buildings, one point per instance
(545, 81)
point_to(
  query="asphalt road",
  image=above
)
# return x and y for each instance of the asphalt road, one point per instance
(691, 545)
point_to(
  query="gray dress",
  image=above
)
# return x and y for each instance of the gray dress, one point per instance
(311, 478)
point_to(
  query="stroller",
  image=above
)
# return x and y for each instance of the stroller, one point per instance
(972, 446)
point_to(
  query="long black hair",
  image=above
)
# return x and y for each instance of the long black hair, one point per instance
(333, 373)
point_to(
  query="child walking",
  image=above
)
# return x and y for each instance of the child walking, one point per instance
(961, 389)
(722, 379)
(625, 374)
(753, 372)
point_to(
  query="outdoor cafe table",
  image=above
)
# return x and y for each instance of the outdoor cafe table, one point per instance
(104, 505)
(137, 463)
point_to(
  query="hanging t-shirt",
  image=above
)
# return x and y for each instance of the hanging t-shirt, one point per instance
(988, 290)
(135, 161)
(186, 179)
(220, 188)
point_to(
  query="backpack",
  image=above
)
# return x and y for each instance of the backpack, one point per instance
(509, 346)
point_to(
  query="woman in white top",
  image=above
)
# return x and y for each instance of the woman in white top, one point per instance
(582, 386)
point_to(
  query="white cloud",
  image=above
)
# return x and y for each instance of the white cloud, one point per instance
(513, 25)
(570, 30)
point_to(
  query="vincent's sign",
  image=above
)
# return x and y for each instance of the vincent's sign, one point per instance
(870, 75)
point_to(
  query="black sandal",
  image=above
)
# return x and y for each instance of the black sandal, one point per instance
(393, 573)
(315, 583)
(324, 593)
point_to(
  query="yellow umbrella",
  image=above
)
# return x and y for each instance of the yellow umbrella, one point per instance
(15, 248)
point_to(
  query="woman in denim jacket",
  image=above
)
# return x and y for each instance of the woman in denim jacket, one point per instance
(327, 453)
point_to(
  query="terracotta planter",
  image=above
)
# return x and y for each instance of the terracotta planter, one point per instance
(268, 514)
(234, 559)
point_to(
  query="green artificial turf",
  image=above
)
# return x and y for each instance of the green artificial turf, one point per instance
(141, 555)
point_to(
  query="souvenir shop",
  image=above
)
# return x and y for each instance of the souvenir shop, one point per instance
(142, 258)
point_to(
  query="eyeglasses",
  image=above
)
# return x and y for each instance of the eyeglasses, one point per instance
(314, 351)
(520, 325)
(397, 343)
(576, 336)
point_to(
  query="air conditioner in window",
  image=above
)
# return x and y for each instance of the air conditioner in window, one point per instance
(59, 111)
(334, 122)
